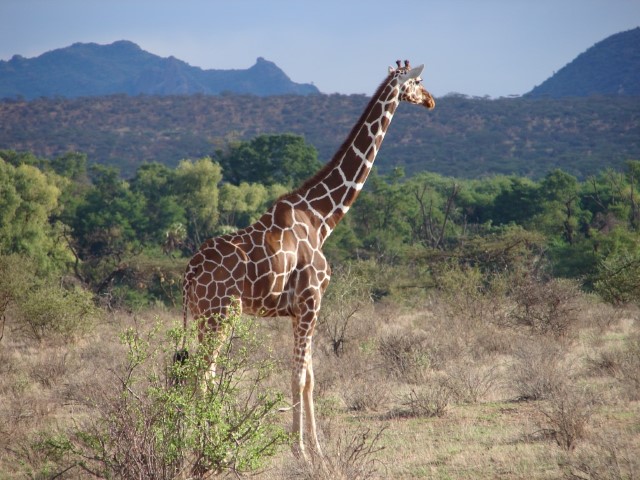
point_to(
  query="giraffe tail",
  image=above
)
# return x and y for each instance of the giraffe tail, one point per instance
(186, 285)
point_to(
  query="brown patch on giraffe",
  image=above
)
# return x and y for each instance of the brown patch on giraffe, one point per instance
(323, 205)
(362, 141)
(349, 170)
(334, 180)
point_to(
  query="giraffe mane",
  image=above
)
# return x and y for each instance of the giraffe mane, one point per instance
(343, 148)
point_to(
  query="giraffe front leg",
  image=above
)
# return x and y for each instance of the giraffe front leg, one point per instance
(309, 410)
(298, 379)
(302, 383)
(302, 386)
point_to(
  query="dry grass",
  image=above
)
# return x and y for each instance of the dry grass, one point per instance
(425, 393)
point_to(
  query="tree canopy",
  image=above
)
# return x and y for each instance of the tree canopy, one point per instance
(114, 233)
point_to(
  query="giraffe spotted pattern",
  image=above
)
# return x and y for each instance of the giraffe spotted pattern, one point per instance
(276, 267)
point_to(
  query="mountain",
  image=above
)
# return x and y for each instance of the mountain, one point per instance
(89, 69)
(610, 67)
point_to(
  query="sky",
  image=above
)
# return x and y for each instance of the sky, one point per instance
(474, 47)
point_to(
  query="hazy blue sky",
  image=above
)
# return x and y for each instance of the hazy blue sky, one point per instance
(475, 47)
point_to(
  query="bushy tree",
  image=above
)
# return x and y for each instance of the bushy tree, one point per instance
(517, 203)
(156, 183)
(197, 191)
(240, 205)
(269, 159)
(28, 200)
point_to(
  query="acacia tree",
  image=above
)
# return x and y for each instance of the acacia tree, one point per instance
(269, 159)
(436, 208)
(560, 203)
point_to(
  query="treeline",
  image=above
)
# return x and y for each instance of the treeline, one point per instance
(463, 137)
(128, 240)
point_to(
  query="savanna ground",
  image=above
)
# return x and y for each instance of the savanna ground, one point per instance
(512, 379)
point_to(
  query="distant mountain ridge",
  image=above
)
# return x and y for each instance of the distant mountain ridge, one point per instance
(610, 67)
(89, 69)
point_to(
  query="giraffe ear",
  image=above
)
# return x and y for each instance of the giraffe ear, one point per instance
(415, 72)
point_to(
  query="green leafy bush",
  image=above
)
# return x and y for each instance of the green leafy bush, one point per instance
(167, 421)
(38, 306)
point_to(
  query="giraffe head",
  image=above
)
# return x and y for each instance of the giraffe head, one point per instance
(410, 83)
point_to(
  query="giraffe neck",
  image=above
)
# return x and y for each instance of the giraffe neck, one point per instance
(332, 191)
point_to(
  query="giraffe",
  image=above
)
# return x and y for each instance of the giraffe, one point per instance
(276, 268)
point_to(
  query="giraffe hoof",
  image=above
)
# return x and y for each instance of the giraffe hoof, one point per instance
(299, 452)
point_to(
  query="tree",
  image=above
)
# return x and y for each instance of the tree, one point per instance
(517, 203)
(241, 205)
(72, 165)
(157, 184)
(28, 198)
(436, 207)
(561, 212)
(270, 159)
(633, 177)
(378, 214)
(106, 227)
(197, 192)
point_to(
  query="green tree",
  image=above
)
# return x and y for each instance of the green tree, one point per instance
(106, 227)
(163, 211)
(28, 199)
(72, 165)
(559, 196)
(378, 214)
(517, 203)
(633, 179)
(241, 205)
(269, 159)
(197, 192)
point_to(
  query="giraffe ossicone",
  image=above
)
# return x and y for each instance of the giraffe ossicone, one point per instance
(275, 267)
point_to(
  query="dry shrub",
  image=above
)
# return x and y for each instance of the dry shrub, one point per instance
(346, 305)
(471, 297)
(604, 316)
(429, 400)
(566, 416)
(630, 366)
(546, 307)
(536, 370)
(623, 364)
(50, 370)
(606, 362)
(609, 456)
(406, 356)
(469, 381)
(350, 454)
(366, 394)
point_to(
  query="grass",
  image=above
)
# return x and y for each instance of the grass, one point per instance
(366, 427)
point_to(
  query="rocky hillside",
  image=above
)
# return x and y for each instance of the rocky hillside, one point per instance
(462, 136)
(610, 67)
